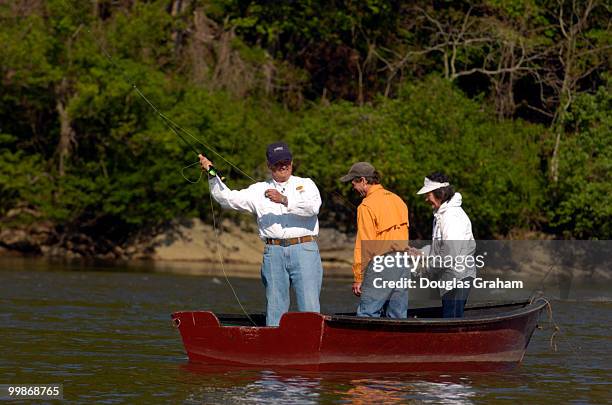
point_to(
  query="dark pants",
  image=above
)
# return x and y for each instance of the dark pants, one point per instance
(453, 302)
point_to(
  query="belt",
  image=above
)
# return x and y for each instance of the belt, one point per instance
(290, 241)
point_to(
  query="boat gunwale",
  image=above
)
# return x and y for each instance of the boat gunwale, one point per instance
(339, 320)
(529, 308)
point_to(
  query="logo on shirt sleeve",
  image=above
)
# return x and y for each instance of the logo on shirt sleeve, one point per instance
(300, 189)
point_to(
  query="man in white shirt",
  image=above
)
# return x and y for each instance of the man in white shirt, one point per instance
(286, 207)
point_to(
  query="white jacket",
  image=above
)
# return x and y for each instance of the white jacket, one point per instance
(452, 236)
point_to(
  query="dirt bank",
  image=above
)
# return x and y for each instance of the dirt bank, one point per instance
(191, 241)
(183, 241)
(195, 241)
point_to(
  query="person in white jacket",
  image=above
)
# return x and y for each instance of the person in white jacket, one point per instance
(451, 237)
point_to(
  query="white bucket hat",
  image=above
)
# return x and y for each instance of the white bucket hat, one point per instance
(429, 185)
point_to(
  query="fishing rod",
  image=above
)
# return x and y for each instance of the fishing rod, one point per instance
(177, 129)
(174, 127)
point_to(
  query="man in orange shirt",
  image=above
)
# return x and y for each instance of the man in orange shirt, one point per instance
(382, 230)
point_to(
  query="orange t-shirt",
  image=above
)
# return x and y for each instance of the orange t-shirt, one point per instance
(382, 221)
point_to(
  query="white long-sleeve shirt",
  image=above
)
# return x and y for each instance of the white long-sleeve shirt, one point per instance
(298, 218)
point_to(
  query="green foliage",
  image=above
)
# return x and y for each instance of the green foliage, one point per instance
(581, 205)
(22, 183)
(143, 34)
(123, 164)
(124, 167)
(492, 164)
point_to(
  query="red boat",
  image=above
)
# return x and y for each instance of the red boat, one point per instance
(489, 337)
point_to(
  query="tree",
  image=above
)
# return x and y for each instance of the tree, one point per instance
(583, 49)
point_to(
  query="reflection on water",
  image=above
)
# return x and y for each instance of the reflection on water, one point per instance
(251, 386)
(402, 388)
(107, 337)
(257, 387)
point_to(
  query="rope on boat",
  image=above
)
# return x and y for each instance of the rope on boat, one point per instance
(176, 129)
(537, 293)
(551, 321)
(557, 331)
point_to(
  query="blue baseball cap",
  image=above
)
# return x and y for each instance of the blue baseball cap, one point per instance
(278, 152)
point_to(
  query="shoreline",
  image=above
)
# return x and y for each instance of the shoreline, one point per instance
(191, 247)
(188, 240)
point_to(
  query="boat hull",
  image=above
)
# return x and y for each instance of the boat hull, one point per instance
(312, 341)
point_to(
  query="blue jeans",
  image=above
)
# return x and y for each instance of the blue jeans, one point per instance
(297, 266)
(386, 302)
(453, 302)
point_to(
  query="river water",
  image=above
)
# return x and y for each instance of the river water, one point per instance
(105, 334)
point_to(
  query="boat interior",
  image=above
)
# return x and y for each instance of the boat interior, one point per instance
(471, 311)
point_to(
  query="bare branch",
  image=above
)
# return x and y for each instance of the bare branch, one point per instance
(593, 50)
(517, 67)
(464, 26)
(588, 72)
(490, 72)
(543, 112)
(430, 18)
(561, 22)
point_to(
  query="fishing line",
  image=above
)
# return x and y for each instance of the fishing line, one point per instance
(222, 261)
(173, 126)
(176, 129)
(189, 180)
